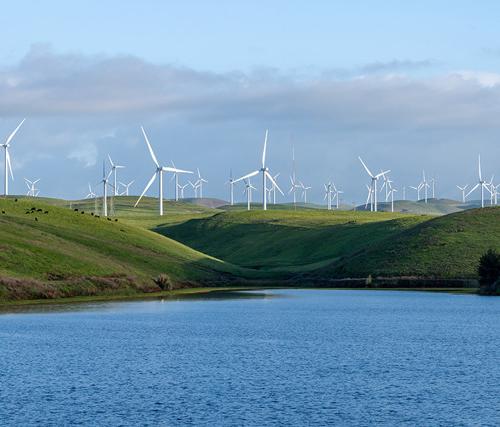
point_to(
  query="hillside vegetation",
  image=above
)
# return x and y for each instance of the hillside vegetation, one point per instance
(63, 252)
(346, 244)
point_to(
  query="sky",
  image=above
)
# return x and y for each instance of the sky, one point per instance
(406, 86)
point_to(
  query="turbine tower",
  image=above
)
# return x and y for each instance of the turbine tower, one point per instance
(265, 176)
(157, 173)
(105, 183)
(8, 166)
(230, 182)
(373, 193)
(328, 195)
(248, 191)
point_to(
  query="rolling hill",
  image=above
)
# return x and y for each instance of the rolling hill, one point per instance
(46, 250)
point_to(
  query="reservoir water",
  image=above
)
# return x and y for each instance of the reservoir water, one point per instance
(280, 357)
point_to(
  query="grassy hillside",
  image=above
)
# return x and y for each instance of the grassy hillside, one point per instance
(447, 246)
(65, 250)
(432, 207)
(346, 244)
(291, 240)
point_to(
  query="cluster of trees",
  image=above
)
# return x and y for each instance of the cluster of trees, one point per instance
(489, 272)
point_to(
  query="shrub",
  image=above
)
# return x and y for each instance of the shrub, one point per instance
(489, 267)
(164, 283)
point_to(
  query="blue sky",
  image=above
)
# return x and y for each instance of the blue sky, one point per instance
(407, 85)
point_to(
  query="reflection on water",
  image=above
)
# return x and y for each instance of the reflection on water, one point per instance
(65, 307)
(249, 358)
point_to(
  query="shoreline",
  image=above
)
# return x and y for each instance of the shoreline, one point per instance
(196, 292)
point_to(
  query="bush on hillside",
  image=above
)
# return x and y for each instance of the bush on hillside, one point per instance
(164, 283)
(489, 271)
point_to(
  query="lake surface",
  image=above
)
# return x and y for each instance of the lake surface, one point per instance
(287, 357)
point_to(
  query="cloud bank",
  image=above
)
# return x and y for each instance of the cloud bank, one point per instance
(81, 103)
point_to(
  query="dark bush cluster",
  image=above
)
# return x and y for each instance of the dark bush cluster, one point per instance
(489, 272)
(164, 283)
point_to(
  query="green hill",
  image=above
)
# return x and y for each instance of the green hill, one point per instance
(444, 247)
(54, 251)
(284, 239)
(346, 244)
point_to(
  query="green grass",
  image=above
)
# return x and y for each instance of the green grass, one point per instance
(287, 240)
(321, 244)
(70, 248)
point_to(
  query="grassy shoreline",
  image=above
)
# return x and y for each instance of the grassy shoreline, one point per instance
(190, 292)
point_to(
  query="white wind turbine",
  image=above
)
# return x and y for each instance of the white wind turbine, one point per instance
(482, 183)
(463, 190)
(293, 179)
(425, 185)
(126, 188)
(32, 191)
(181, 189)
(248, 191)
(328, 195)
(305, 189)
(8, 166)
(114, 167)
(199, 183)
(195, 188)
(175, 176)
(91, 194)
(337, 194)
(158, 172)
(417, 189)
(265, 176)
(374, 178)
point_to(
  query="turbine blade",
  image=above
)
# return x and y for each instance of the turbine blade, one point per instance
(479, 168)
(264, 151)
(146, 189)
(9, 138)
(174, 170)
(366, 167)
(382, 173)
(274, 182)
(473, 189)
(111, 161)
(247, 176)
(155, 160)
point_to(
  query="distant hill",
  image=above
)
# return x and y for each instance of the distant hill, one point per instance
(432, 207)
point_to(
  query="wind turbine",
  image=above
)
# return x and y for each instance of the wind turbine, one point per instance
(433, 186)
(417, 189)
(126, 187)
(248, 191)
(375, 178)
(337, 194)
(265, 175)
(425, 185)
(181, 188)
(176, 177)
(114, 167)
(463, 189)
(8, 166)
(195, 188)
(304, 191)
(328, 195)
(91, 193)
(199, 183)
(293, 179)
(32, 191)
(158, 172)
(481, 183)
